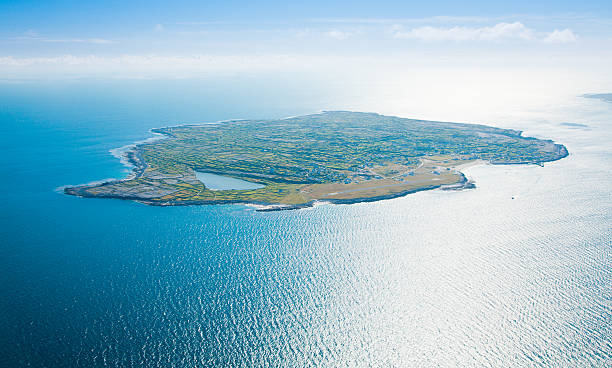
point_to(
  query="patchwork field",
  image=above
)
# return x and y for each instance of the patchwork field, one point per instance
(336, 156)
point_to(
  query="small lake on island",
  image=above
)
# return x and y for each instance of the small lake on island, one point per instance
(220, 182)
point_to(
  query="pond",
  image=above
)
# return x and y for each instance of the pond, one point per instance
(219, 182)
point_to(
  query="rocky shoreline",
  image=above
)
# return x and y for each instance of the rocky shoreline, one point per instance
(139, 167)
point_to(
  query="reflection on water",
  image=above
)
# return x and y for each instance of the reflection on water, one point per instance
(469, 278)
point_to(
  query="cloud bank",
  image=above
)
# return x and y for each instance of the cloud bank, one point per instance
(498, 32)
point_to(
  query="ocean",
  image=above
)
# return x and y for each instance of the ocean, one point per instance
(517, 272)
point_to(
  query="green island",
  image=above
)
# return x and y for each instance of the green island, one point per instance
(334, 156)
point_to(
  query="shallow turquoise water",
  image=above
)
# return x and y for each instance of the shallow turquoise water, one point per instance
(220, 182)
(470, 278)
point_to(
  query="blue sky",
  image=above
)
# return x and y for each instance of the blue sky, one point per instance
(117, 37)
(119, 18)
(133, 15)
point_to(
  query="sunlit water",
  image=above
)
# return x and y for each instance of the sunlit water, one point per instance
(516, 272)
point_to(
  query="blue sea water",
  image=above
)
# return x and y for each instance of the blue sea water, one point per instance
(516, 272)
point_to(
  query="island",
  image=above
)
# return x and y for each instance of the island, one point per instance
(333, 156)
(607, 97)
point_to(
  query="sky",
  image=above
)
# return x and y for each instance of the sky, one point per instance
(163, 39)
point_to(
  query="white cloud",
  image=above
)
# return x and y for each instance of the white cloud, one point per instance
(564, 36)
(498, 32)
(78, 40)
(31, 35)
(158, 27)
(339, 35)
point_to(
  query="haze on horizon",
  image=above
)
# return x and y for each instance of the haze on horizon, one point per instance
(70, 39)
(391, 57)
